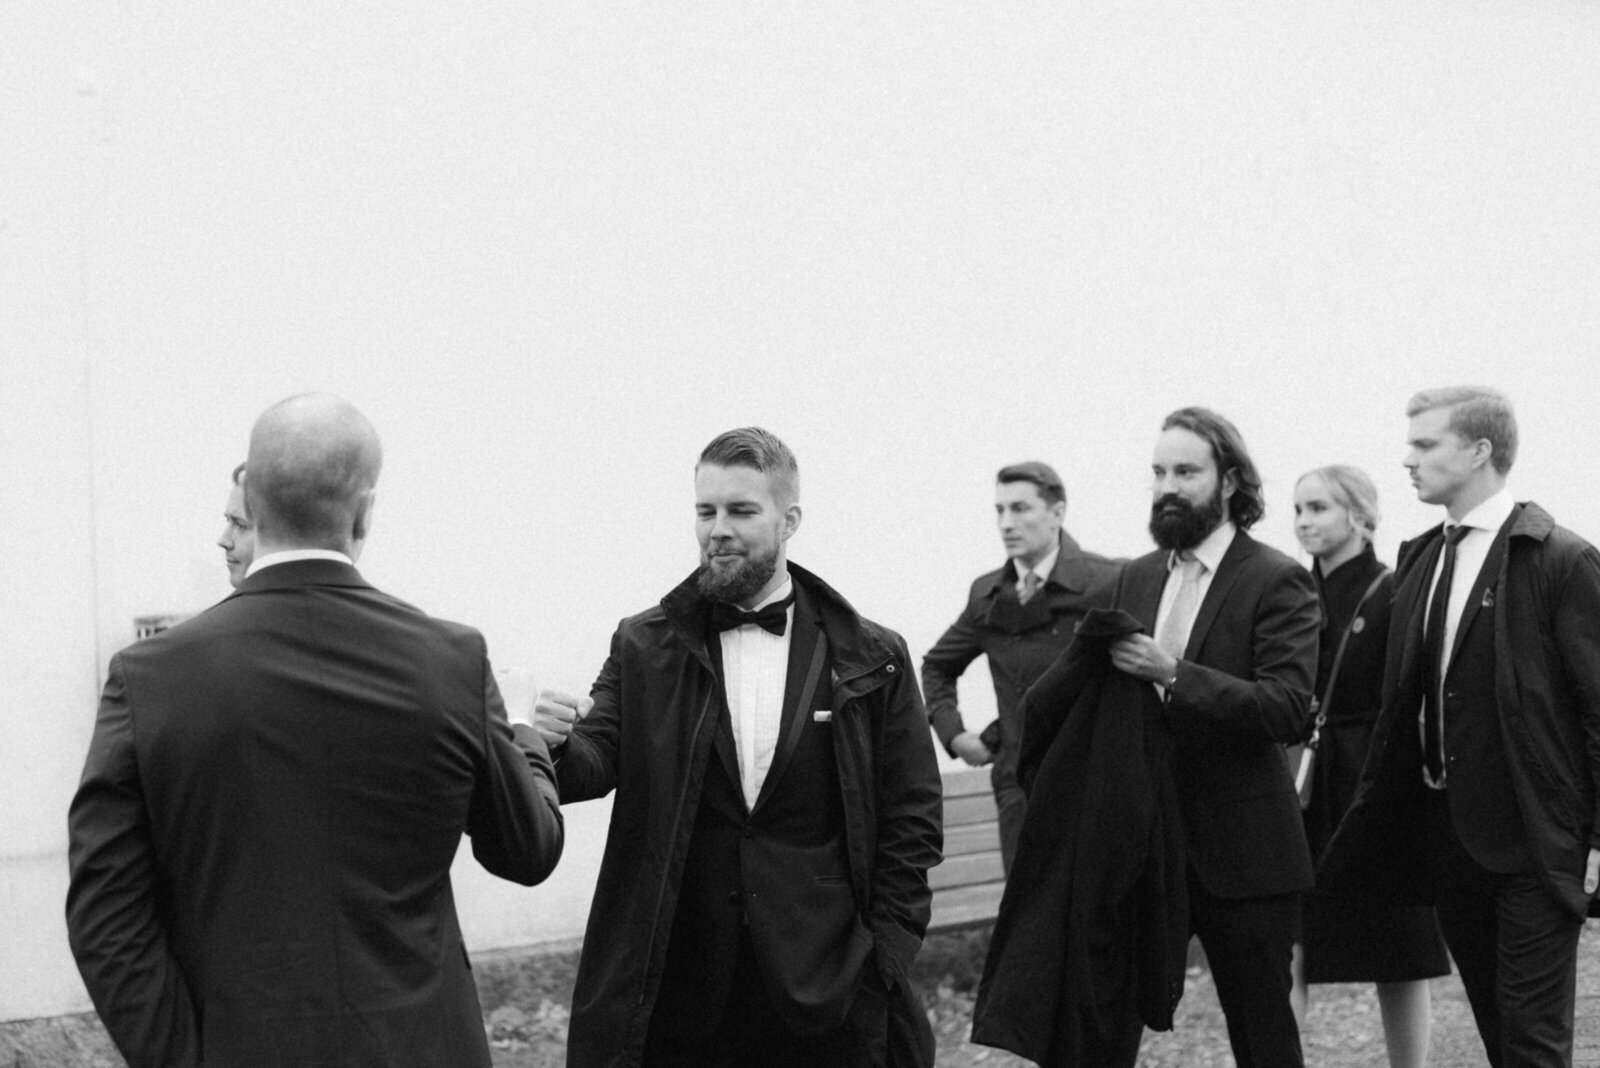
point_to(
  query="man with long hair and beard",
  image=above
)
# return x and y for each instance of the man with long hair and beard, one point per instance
(1232, 649)
(764, 887)
(1229, 643)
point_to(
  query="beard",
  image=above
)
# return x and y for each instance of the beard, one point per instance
(1176, 524)
(738, 582)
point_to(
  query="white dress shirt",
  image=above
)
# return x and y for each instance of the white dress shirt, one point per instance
(755, 668)
(289, 556)
(1210, 553)
(1042, 568)
(1482, 524)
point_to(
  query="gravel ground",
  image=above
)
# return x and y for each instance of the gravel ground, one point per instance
(525, 999)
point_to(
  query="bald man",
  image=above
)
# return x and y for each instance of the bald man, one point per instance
(276, 788)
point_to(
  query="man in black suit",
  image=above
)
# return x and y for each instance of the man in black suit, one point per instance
(1021, 617)
(1481, 792)
(1233, 650)
(764, 887)
(261, 843)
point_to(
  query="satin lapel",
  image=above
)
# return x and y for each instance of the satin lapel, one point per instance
(1482, 586)
(808, 651)
(724, 732)
(1227, 573)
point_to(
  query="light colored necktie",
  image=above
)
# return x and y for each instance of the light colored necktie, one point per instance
(1030, 586)
(1175, 628)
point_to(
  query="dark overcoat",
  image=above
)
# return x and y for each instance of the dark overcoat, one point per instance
(1093, 926)
(650, 736)
(1545, 602)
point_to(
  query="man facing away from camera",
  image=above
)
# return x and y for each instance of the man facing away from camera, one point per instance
(1481, 791)
(1021, 616)
(261, 843)
(764, 887)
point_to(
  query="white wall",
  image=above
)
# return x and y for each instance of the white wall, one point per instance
(552, 249)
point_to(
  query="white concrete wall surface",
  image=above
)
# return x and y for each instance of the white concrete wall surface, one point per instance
(553, 249)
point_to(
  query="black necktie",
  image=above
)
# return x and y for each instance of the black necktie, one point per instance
(1433, 658)
(773, 618)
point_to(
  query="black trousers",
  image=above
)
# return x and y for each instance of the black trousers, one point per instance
(1516, 948)
(750, 1034)
(1249, 943)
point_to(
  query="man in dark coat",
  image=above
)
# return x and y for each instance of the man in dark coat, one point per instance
(1232, 648)
(1021, 617)
(1481, 791)
(764, 887)
(275, 792)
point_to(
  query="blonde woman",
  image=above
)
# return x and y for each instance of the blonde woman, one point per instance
(1348, 939)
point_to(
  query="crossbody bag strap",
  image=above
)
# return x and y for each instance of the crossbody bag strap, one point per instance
(1338, 661)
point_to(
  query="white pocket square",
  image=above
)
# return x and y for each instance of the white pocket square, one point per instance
(822, 715)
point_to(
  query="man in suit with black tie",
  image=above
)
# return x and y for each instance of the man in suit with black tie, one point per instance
(261, 843)
(764, 887)
(1233, 650)
(1021, 617)
(1481, 789)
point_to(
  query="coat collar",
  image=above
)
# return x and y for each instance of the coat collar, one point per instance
(1071, 571)
(1528, 520)
(856, 646)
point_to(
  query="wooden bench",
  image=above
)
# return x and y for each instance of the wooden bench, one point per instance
(968, 885)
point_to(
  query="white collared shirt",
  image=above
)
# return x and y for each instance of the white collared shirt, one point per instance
(289, 556)
(1482, 524)
(1042, 568)
(755, 669)
(1210, 553)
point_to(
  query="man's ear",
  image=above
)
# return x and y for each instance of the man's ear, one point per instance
(363, 520)
(791, 520)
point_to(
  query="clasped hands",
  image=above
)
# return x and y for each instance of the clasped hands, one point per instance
(556, 712)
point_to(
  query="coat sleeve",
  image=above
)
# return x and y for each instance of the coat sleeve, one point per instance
(1577, 635)
(942, 666)
(1272, 697)
(910, 837)
(515, 817)
(587, 765)
(114, 921)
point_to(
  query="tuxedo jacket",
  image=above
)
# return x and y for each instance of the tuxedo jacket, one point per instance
(262, 839)
(1243, 691)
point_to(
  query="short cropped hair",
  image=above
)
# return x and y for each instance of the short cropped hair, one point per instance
(1248, 502)
(751, 446)
(1351, 489)
(1476, 412)
(1040, 474)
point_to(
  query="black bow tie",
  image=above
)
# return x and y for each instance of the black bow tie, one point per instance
(773, 618)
